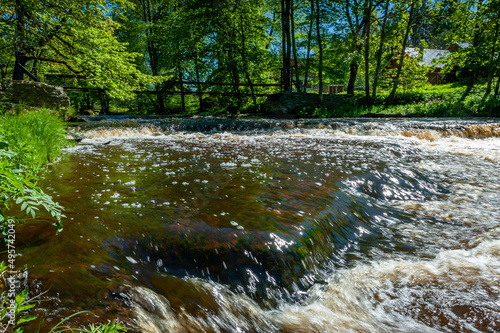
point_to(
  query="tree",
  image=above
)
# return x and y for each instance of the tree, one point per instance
(355, 26)
(367, 19)
(309, 37)
(380, 49)
(72, 39)
(320, 54)
(403, 49)
(479, 28)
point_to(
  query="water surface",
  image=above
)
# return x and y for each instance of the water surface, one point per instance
(238, 225)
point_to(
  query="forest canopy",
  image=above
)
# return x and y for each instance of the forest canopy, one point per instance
(148, 45)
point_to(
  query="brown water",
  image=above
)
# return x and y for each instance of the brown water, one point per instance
(274, 226)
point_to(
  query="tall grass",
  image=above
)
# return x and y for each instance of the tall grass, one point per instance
(29, 139)
(36, 137)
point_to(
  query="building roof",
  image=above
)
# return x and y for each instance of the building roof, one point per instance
(430, 57)
(464, 45)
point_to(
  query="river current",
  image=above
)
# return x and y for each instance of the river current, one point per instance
(244, 225)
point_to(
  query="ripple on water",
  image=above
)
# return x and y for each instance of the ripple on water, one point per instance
(303, 225)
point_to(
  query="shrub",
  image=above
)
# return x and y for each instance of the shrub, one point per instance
(29, 139)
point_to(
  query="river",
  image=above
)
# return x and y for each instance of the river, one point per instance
(247, 225)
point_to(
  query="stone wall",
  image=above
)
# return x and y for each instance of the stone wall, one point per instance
(33, 93)
(289, 105)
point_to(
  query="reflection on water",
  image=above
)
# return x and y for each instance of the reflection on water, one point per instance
(275, 226)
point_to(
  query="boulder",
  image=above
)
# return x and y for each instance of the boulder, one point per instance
(288, 105)
(33, 93)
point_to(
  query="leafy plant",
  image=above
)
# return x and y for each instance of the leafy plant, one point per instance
(17, 303)
(28, 141)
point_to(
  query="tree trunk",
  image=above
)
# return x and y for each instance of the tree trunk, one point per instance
(159, 98)
(492, 59)
(153, 55)
(403, 53)
(294, 50)
(288, 44)
(497, 85)
(286, 47)
(183, 102)
(353, 72)
(368, 15)
(20, 42)
(197, 70)
(234, 72)
(18, 72)
(380, 50)
(152, 52)
(283, 46)
(320, 46)
(309, 45)
(355, 48)
(244, 60)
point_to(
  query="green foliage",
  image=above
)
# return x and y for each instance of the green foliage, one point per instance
(36, 137)
(72, 38)
(107, 328)
(28, 141)
(14, 302)
(129, 45)
(451, 100)
(479, 28)
(412, 75)
(111, 327)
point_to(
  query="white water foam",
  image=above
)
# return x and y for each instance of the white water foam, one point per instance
(384, 295)
(370, 297)
(485, 149)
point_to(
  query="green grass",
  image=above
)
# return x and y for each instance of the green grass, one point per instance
(29, 140)
(450, 100)
(35, 136)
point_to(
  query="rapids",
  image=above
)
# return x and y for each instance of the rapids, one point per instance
(245, 225)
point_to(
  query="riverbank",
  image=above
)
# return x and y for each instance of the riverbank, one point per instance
(30, 139)
(449, 100)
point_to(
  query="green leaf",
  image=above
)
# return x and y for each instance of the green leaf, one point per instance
(59, 226)
(26, 307)
(26, 319)
(20, 298)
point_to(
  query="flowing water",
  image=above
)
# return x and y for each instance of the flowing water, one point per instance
(224, 225)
